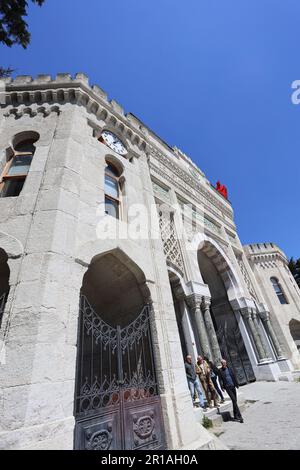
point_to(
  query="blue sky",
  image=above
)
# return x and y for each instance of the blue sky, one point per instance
(212, 77)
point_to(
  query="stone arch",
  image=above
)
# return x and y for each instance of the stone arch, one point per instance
(11, 245)
(116, 162)
(223, 266)
(124, 249)
(23, 136)
(294, 326)
(223, 309)
(176, 278)
(116, 373)
(115, 286)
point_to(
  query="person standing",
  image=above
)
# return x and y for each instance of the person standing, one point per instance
(229, 383)
(214, 373)
(193, 381)
(203, 372)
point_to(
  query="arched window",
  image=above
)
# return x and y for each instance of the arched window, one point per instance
(278, 290)
(17, 168)
(112, 191)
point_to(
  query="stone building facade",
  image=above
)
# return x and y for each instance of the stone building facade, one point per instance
(117, 258)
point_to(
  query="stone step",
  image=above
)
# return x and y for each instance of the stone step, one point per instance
(286, 377)
(223, 413)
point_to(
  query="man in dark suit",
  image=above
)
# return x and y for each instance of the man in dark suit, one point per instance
(229, 383)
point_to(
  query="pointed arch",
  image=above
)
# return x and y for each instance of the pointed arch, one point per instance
(224, 267)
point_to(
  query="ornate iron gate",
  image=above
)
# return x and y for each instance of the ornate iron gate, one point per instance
(234, 351)
(117, 403)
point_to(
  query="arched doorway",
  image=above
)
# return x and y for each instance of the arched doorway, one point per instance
(294, 326)
(225, 321)
(117, 403)
(4, 282)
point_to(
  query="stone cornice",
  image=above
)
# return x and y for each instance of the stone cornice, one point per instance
(182, 174)
(267, 259)
(24, 92)
(32, 111)
(264, 252)
(201, 196)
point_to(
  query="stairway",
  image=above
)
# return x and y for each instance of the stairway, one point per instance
(223, 413)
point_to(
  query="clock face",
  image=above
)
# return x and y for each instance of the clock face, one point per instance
(113, 142)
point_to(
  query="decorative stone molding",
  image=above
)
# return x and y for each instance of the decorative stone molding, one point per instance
(25, 91)
(216, 257)
(183, 180)
(32, 111)
(212, 226)
(264, 315)
(247, 278)
(161, 192)
(193, 169)
(194, 300)
(265, 255)
(246, 312)
(232, 239)
(11, 245)
(206, 302)
(171, 244)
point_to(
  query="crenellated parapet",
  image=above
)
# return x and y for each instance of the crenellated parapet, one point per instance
(26, 95)
(266, 255)
(44, 95)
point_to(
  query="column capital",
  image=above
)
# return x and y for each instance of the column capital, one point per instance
(254, 314)
(206, 302)
(194, 301)
(246, 312)
(264, 316)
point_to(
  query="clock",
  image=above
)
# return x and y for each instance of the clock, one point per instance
(113, 142)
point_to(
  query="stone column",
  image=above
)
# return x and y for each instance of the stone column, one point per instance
(214, 344)
(266, 347)
(247, 314)
(188, 331)
(265, 317)
(194, 301)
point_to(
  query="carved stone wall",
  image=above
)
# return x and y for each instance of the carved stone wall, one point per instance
(171, 244)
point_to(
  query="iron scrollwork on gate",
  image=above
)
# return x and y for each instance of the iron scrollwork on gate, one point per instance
(116, 381)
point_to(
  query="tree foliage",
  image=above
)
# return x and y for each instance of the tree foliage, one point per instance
(295, 269)
(4, 73)
(13, 27)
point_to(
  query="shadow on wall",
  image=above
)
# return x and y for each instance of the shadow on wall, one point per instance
(294, 326)
(4, 282)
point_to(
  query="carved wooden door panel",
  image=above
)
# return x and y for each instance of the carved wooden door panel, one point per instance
(117, 403)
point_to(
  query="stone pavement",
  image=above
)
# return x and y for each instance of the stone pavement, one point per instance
(271, 418)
